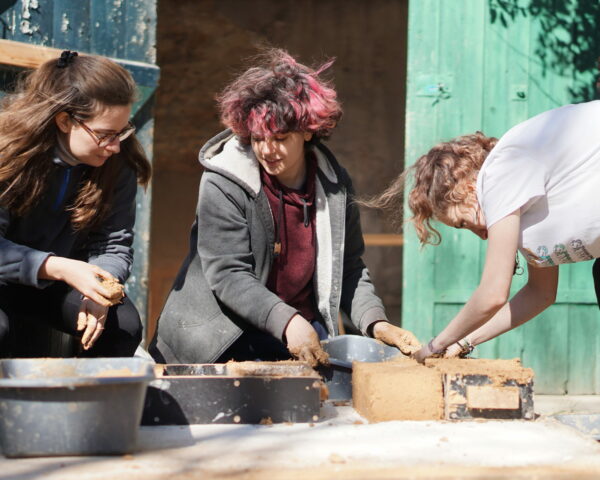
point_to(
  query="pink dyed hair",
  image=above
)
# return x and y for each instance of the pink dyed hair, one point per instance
(279, 95)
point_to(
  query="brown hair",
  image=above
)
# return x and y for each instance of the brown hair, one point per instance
(438, 178)
(28, 134)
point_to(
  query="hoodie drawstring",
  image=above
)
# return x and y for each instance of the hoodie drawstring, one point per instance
(279, 223)
(305, 211)
(277, 245)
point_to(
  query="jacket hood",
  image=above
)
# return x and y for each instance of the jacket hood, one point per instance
(226, 155)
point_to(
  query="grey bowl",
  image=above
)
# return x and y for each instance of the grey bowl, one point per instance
(51, 406)
(346, 349)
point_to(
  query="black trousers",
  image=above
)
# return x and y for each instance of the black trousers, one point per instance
(255, 345)
(58, 306)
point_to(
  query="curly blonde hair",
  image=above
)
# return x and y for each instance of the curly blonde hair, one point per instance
(439, 178)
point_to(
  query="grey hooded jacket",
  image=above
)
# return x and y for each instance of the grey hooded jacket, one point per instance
(220, 288)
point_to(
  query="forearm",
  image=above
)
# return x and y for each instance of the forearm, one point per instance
(524, 306)
(52, 268)
(476, 312)
(249, 299)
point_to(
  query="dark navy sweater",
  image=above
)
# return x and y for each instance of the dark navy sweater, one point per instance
(26, 242)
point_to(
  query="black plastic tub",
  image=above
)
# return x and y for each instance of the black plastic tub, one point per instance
(55, 407)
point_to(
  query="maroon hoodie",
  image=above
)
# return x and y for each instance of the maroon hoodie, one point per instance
(291, 276)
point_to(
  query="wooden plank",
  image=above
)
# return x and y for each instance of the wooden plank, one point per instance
(383, 240)
(25, 55)
(492, 398)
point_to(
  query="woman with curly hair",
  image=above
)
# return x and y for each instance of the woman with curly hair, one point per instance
(275, 251)
(533, 191)
(69, 168)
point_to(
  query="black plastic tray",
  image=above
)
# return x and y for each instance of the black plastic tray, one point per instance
(245, 392)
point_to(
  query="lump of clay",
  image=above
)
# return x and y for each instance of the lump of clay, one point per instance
(115, 289)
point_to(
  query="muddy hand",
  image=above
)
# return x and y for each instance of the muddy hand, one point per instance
(91, 320)
(314, 355)
(429, 351)
(397, 337)
(303, 342)
(422, 354)
(82, 276)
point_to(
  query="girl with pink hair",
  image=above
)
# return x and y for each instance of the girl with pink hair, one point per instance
(275, 251)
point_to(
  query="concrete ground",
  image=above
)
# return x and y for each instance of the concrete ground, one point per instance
(343, 445)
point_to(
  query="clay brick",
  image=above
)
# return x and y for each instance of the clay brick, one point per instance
(399, 390)
(450, 389)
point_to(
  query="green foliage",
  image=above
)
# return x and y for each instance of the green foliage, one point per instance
(569, 38)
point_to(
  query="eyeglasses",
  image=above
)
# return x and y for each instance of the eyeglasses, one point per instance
(105, 139)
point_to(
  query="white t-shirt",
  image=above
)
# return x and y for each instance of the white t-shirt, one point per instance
(549, 168)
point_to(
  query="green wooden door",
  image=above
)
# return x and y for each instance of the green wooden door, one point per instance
(475, 65)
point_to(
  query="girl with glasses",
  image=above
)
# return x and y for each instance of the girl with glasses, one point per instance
(69, 169)
(275, 251)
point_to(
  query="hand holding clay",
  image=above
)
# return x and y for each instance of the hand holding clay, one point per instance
(397, 337)
(422, 354)
(91, 319)
(427, 351)
(114, 288)
(82, 276)
(303, 342)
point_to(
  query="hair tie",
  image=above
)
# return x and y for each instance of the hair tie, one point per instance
(66, 58)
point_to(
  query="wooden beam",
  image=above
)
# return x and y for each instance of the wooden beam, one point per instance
(25, 55)
(383, 240)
